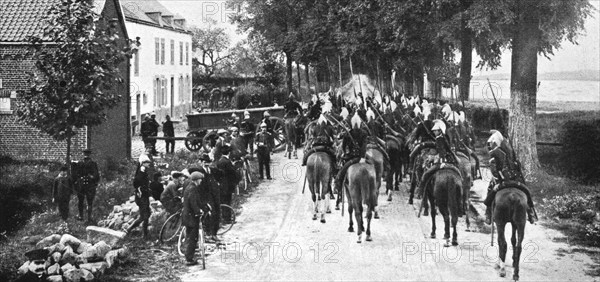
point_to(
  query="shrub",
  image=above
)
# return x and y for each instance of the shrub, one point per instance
(485, 118)
(243, 95)
(592, 232)
(570, 206)
(580, 155)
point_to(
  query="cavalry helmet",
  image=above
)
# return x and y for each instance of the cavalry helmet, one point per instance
(221, 131)
(356, 121)
(495, 139)
(344, 113)
(439, 125)
(266, 114)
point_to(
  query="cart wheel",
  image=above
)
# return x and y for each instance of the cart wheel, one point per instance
(279, 136)
(193, 144)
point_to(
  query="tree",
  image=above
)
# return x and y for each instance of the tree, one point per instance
(539, 27)
(210, 44)
(73, 85)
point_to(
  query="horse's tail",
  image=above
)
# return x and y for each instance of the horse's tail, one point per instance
(451, 180)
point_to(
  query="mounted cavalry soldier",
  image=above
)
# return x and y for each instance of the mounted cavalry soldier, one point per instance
(321, 139)
(505, 168)
(354, 147)
(445, 157)
(86, 177)
(292, 108)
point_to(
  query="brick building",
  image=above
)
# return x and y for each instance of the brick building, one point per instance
(20, 19)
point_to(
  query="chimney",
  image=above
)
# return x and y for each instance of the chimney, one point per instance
(156, 16)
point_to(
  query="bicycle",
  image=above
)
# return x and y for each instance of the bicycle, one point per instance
(181, 243)
(172, 226)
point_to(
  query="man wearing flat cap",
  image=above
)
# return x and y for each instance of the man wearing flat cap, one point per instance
(194, 206)
(171, 197)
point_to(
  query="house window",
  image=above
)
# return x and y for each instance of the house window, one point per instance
(145, 98)
(156, 91)
(188, 88)
(187, 53)
(4, 104)
(172, 52)
(162, 51)
(181, 93)
(136, 63)
(181, 53)
(164, 92)
(156, 50)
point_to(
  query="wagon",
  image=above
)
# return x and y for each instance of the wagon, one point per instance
(203, 125)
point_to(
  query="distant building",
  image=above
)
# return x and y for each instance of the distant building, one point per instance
(20, 19)
(161, 70)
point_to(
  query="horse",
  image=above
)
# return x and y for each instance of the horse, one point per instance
(318, 174)
(394, 177)
(464, 166)
(375, 157)
(360, 189)
(291, 137)
(443, 193)
(510, 205)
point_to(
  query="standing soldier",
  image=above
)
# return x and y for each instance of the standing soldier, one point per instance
(264, 143)
(153, 125)
(86, 181)
(61, 193)
(267, 120)
(146, 131)
(248, 129)
(169, 131)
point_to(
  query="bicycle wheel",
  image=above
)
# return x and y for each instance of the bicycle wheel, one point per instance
(227, 219)
(181, 244)
(202, 248)
(170, 228)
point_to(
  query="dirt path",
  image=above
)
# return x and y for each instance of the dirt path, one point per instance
(276, 239)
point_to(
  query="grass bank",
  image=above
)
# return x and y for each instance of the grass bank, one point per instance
(31, 182)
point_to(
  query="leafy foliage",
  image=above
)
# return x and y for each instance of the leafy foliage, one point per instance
(210, 43)
(76, 74)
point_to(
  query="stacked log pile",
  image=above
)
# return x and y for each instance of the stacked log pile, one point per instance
(67, 258)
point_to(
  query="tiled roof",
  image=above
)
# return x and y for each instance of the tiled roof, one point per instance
(136, 10)
(20, 19)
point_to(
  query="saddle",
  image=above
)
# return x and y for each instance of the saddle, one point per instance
(421, 146)
(377, 146)
(518, 185)
(447, 166)
(394, 139)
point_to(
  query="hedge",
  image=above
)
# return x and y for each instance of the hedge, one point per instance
(580, 154)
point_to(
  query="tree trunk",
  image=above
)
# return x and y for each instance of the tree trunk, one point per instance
(419, 80)
(408, 81)
(299, 79)
(288, 62)
(523, 89)
(306, 72)
(466, 57)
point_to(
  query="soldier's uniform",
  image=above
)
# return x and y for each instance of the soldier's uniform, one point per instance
(446, 156)
(247, 132)
(504, 167)
(264, 143)
(86, 182)
(292, 108)
(354, 146)
(321, 140)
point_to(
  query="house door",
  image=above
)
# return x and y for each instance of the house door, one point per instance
(172, 94)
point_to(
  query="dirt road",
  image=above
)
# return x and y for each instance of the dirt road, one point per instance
(276, 239)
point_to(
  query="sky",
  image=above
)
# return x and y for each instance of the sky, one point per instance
(584, 56)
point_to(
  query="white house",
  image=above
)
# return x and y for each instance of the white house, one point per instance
(161, 69)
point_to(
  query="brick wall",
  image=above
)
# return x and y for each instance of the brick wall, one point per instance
(22, 142)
